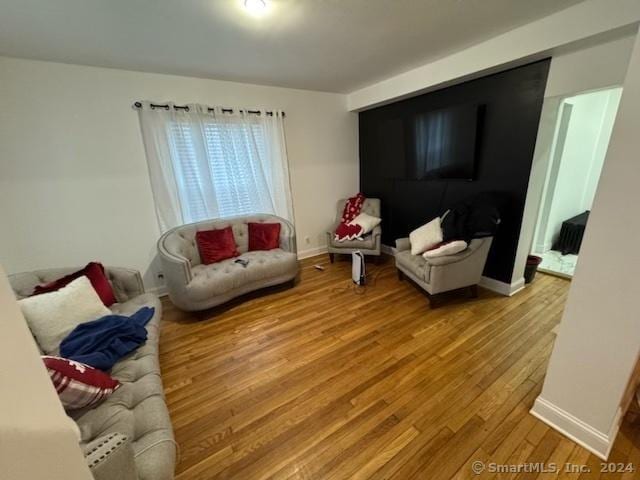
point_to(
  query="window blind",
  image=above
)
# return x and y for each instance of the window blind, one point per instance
(233, 171)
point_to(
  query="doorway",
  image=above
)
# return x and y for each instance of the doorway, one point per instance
(580, 142)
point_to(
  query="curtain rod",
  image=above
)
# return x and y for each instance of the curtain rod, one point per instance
(186, 108)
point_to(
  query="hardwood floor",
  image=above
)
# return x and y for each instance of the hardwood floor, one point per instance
(320, 382)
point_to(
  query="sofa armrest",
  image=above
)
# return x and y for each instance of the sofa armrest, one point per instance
(288, 236)
(126, 283)
(403, 244)
(110, 457)
(175, 269)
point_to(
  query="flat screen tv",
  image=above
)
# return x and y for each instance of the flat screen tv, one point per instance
(443, 143)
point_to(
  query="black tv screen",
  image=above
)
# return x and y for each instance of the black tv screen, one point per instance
(444, 143)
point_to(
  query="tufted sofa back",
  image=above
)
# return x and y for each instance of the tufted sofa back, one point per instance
(126, 282)
(181, 241)
(370, 206)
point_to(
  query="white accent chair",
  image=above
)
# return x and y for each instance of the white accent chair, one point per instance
(446, 273)
(370, 243)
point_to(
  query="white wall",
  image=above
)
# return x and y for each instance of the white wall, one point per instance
(577, 70)
(599, 337)
(580, 161)
(589, 67)
(579, 23)
(74, 185)
(37, 439)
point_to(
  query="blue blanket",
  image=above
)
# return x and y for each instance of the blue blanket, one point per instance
(102, 342)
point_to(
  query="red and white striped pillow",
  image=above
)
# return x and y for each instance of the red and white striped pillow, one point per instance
(78, 385)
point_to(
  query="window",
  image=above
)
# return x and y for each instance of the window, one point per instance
(231, 181)
(206, 162)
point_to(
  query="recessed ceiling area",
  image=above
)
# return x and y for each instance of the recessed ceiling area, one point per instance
(327, 45)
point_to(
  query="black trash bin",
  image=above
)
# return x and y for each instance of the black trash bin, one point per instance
(532, 267)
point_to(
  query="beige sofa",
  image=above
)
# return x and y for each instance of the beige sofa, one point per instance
(446, 273)
(194, 286)
(129, 435)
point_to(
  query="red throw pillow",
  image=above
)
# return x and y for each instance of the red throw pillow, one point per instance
(94, 272)
(216, 245)
(79, 385)
(264, 236)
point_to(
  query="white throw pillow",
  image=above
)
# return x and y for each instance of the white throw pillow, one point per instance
(366, 221)
(450, 248)
(51, 316)
(425, 237)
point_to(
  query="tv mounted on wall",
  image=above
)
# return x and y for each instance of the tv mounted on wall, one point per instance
(443, 143)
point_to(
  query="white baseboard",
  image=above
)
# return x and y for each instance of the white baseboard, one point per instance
(312, 252)
(387, 249)
(503, 288)
(583, 434)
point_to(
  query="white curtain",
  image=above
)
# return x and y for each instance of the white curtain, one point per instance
(207, 163)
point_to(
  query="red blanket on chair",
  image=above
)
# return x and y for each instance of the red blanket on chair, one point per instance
(352, 208)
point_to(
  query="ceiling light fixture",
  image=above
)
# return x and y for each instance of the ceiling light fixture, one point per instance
(256, 7)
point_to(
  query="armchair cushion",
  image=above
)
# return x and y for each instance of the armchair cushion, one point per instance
(457, 257)
(447, 248)
(367, 222)
(426, 237)
(366, 242)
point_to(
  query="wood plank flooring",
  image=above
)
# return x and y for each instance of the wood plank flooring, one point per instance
(322, 382)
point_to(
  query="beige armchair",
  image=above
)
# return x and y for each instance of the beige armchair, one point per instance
(443, 274)
(370, 243)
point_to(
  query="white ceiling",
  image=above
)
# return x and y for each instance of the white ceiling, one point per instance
(330, 45)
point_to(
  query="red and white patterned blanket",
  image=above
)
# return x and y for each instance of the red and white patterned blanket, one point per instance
(352, 208)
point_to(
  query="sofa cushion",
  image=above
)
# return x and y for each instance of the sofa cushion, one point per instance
(51, 316)
(78, 385)
(222, 277)
(264, 236)
(414, 264)
(216, 245)
(94, 271)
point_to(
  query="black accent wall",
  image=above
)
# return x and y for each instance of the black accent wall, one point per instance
(511, 102)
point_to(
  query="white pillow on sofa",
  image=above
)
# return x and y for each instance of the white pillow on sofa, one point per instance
(425, 237)
(366, 221)
(450, 248)
(51, 316)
